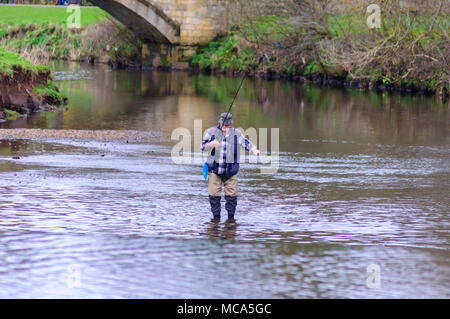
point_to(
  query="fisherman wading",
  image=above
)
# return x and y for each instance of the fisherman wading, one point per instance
(222, 143)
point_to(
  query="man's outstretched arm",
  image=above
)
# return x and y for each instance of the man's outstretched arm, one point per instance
(249, 146)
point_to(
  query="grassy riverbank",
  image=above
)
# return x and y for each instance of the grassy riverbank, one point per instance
(23, 15)
(40, 33)
(407, 54)
(410, 51)
(10, 61)
(25, 87)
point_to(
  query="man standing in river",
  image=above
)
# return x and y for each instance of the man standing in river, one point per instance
(223, 141)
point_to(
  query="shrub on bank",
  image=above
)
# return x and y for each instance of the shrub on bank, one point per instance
(409, 51)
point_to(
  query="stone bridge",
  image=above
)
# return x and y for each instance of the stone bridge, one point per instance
(173, 28)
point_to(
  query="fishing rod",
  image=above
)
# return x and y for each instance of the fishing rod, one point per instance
(234, 99)
(239, 88)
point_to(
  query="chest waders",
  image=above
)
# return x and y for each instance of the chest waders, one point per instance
(228, 179)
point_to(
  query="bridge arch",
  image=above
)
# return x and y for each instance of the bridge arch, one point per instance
(148, 22)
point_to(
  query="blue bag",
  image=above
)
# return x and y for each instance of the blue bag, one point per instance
(205, 171)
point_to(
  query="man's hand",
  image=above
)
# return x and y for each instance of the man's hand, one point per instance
(213, 143)
(256, 152)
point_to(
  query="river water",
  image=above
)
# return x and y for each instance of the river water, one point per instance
(362, 185)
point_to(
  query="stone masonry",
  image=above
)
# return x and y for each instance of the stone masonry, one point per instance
(172, 29)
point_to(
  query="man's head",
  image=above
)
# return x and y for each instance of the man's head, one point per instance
(226, 120)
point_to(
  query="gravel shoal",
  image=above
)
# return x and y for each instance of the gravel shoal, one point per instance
(92, 135)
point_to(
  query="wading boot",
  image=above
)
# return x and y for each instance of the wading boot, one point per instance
(215, 206)
(230, 206)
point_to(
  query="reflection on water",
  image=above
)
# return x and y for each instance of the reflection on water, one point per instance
(101, 98)
(227, 231)
(363, 179)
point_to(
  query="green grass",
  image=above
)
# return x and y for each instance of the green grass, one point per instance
(50, 92)
(55, 39)
(9, 59)
(222, 54)
(228, 54)
(13, 115)
(341, 24)
(268, 28)
(17, 16)
(43, 33)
